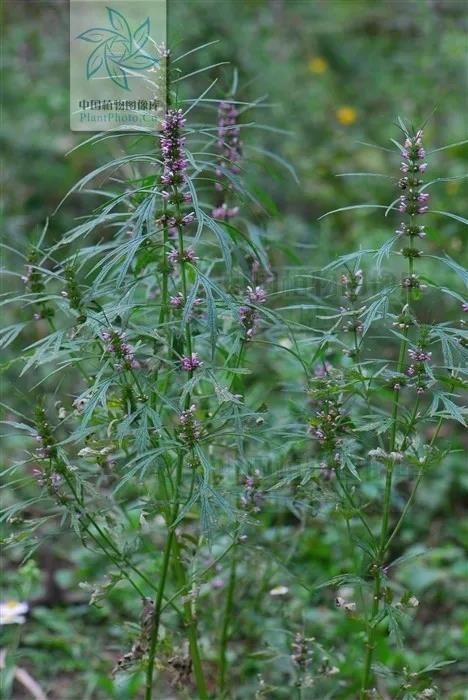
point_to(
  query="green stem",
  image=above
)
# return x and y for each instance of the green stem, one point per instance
(229, 606)
(200, 575)
(162, 582)
(356, 510)
(383, 545)
(408, 505)
(191, 625)
(172, 543)
(7, 673)
(226, 625)
(188, 335)
(118, 556)
(165, 275)
(186, 613)
(414, 490)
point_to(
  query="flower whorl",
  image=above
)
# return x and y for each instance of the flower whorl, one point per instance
(229, 146)
(414, 201)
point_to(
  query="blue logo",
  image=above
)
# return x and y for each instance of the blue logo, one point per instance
(118, 50)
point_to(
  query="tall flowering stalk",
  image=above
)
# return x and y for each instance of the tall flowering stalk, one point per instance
(369, 414)
(229, 148)
(151, 408)
(227, 181)
(413, 203)
(175, 195)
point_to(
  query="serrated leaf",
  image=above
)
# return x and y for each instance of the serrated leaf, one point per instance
(377, 310)
(384, 251)
(223, 240)
(436, 666)
(454, 410)
(142, 435)
(10, 333)
(394, 625)
(188, 308)
(211, 316)
(98, 396)
(350, 466)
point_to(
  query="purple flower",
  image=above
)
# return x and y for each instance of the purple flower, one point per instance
(248, 316)
(116, 345)
(413, 201)
(189, 427)
(177, 301)
(224, 212)
(52, 482)
(174, 169)
(406, 230)
(420, 356)
(413, 282)
(323, 369)
(252, 497)
(174, 256)
(249, 320)
(319, 434)
(188, 218)
(229, 146)
(167, 220)
(418, 369)
(190, 363)
(256, 295)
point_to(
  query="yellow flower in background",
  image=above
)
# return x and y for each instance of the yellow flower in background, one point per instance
(346, 115)
(318, 65)
(452, 187)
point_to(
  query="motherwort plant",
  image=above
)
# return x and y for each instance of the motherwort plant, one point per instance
(143, 329)
(388, 385)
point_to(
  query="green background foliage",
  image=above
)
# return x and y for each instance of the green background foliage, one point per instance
(335, 74)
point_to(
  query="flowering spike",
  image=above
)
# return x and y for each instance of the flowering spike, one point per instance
(414, 201)
(229, 146)
(190, 363)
